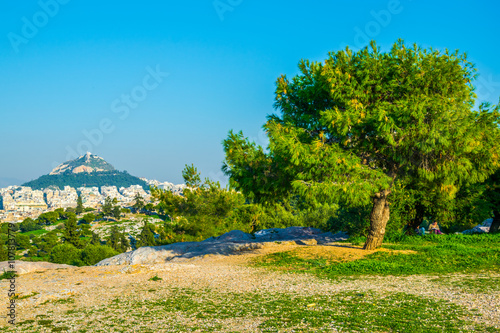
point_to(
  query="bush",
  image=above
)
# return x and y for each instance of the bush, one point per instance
(92, 254)
(22, 241)
(29, 225)
(65, 254)
(88, 218)
(48, 218)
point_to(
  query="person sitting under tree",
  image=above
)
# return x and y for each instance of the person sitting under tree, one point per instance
(420, 231)
(434, 228)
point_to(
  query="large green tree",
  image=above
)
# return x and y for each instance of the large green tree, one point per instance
(117, 213)
(96, 239)
(147, 235)
(88, 218)
(92, 254)
(139, 202)
(107, 207)
(117, 240)
(72, 233)
(354, 124)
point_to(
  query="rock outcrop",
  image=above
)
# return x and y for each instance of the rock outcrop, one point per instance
(86, 163)
(480, 228)
(231, 243)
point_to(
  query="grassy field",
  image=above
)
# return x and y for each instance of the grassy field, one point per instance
(35, 232)
(432, 254)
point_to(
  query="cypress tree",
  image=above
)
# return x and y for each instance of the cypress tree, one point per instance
(79, 205)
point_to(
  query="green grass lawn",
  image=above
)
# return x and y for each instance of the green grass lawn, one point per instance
(35, 232)
(433, 254)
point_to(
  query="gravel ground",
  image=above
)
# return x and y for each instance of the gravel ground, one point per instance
(93, 287)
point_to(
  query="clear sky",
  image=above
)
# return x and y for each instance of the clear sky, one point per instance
(153, 85)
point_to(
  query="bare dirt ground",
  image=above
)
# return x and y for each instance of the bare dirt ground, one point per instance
(62, 294)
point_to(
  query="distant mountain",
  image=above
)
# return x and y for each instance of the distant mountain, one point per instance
(86, 171)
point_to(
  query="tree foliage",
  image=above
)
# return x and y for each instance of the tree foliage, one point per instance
(147, 235)
(97, 179)
(29, 225)
(96, 239)
(354, 125)
(65, 254)
(72, 233)
(48, 218)
(88, 218)
(117, 240)
(79, 205)
(492, 195)
(92, 254)
(138, 202)
(107, 207)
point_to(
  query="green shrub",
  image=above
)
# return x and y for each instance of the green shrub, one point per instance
(88, 218)
(7, 275)
(22, 241)
(29, 225)
(65, 254)
(155, 278)
(92, 254)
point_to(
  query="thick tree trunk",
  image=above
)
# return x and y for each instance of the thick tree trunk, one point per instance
(378, 220)
(495, 225)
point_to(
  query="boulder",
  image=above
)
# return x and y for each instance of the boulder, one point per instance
(482, 228)
(177, 252)
(230, 243)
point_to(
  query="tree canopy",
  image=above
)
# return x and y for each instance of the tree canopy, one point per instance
(354, 124)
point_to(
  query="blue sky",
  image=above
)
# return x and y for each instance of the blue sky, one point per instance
(92, 75)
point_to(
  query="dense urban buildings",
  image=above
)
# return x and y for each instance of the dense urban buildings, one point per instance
(20, 202)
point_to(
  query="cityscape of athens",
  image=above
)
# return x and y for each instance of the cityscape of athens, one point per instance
(20, 202)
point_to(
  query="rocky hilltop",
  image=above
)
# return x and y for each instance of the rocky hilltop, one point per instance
(86, 163)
